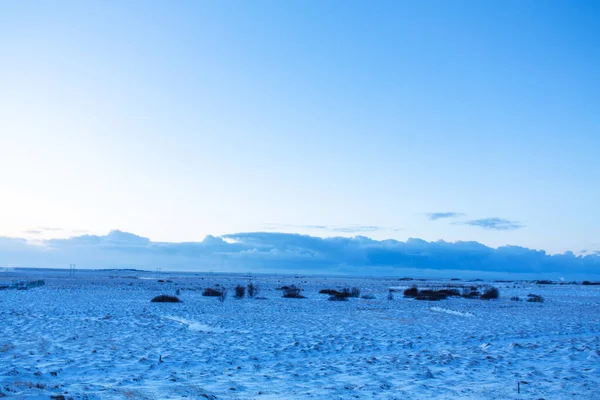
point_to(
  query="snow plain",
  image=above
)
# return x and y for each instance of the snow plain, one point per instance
(96, 335)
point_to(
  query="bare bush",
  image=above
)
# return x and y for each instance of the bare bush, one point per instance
(165, 298)
(211, 292)
(534, 298)
(431, 295)
(292, 292)
(330, 292)
(240, 292)
(253, 290)
(223, 294)
(490, 293)
(470, 292)
(338, 296)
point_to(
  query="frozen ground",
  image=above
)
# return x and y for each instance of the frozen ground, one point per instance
(97, 335)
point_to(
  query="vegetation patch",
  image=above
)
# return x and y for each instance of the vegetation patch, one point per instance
(212, 292)
(292, 292)
(437, 293)
(240, 292)
(253, 290)
(534, 298)
(341, 294)
(490, 293)
(165, 298)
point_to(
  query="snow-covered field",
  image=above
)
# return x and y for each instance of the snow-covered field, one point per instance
(96, 335)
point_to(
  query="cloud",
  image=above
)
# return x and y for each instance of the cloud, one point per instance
(499, 224)
(33, 232)
(444, 215)
(338, 229)
(281, 252)
(357, 229)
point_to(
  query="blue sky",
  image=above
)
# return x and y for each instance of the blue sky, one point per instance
(462, 120)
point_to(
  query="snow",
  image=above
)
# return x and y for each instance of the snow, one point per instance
(96, 335)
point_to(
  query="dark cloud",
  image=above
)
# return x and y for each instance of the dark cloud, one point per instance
(270, 251)
(499, 224)
(444, 215)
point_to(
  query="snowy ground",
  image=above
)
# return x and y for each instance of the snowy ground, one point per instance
(97, 335)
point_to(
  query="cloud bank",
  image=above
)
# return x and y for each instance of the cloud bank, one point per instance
(443, 215)
(499, 224)
(283, 252)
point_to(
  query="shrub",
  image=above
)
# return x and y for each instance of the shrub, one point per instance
(544, 282)
(470, 293)
(338, 296)
(252, 290)
(368, 297)
(431, 295)
(164, 298)
(449, 292)
(515, 298)
(355, 292)
(490, 293)
(240, 292)
(292, 292)
(178, 292)
(588, 283)
(223, 294)
(534, 298)
(390, 295)
(210, 292)
(330, 292)
(411, 292)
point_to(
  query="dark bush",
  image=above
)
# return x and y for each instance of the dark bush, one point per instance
(164, 298)
(588, 283)
(411, 292)
(490, 293)
(210, 292)
(161, 281)
(252, 290)
(515, 298)
(431, 295)
(449, 292)
(534, 298)
(292, 292)
(544, 282)
(368, 297)
(330, 292)
(470, 293)
(240, 292)
(338, 296)
(390, 295)
(355, 292)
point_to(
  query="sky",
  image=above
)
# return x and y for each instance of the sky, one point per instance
(439, 120)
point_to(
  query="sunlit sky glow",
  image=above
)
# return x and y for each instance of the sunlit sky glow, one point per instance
(453, 120)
